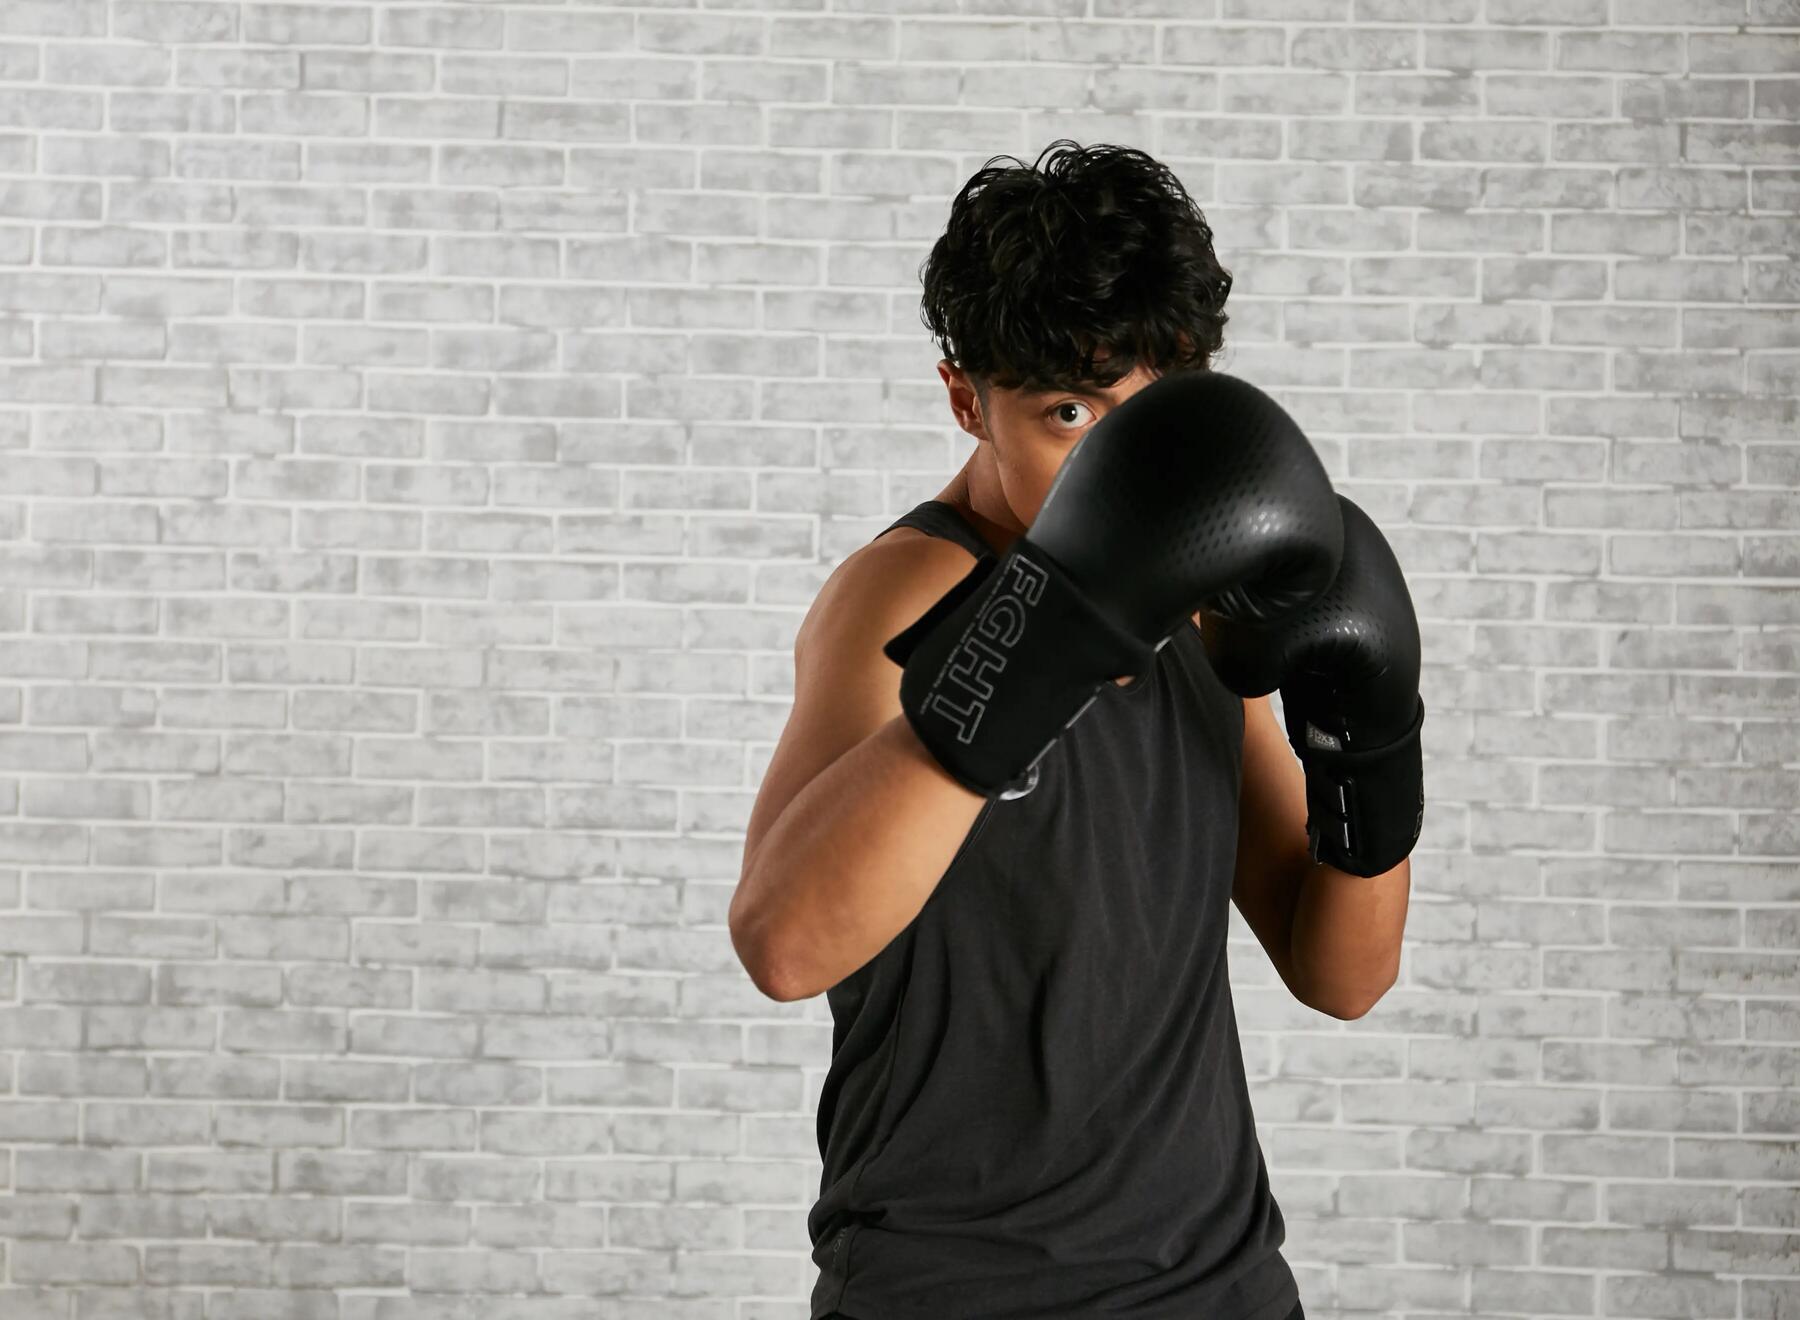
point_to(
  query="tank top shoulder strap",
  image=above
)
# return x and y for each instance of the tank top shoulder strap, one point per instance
(943, 519)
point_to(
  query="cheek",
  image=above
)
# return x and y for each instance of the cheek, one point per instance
(1026, 480)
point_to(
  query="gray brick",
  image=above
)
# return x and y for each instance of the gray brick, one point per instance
(430, 423)
(306, 24)
(1532, 1292)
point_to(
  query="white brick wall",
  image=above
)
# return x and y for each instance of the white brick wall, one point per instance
(424, 425)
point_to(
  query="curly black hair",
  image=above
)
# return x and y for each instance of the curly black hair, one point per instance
(1039, 268)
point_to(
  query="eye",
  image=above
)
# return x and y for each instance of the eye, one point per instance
(1056, 410)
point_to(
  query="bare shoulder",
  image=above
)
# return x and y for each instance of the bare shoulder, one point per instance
(884, 585)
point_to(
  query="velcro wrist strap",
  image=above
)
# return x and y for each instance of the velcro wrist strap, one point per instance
(1011, 656)
(1364, 809)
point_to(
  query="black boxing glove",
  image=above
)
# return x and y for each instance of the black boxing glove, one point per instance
(1197, 489)
(1347, 664)
(986, 705)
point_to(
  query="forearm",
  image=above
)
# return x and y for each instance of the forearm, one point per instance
(1345, 939)
(850, 862)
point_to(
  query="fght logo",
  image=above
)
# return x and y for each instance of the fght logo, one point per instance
(965, 685)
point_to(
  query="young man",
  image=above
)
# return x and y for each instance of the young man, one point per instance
(1036, 1106)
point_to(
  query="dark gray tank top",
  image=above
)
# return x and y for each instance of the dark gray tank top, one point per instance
(1036, 1106)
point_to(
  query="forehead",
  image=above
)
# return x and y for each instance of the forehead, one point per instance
(1084, 389)
(1087, 389)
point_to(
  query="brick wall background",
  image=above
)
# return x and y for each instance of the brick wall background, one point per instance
(423, 427)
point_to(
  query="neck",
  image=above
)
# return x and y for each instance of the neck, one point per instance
(977, 492)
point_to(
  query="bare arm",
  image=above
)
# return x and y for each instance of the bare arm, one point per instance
(1348, 931)
(1271, 851)
(855, 822)
(1333, 937)
(850, 861)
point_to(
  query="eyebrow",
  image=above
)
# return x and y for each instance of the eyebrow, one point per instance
(1083, 391)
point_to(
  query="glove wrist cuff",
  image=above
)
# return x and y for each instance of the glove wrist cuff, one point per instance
(1365, 808)
(1009, 658)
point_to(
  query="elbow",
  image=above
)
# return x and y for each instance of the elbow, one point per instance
(773, 980)
(1348, 1008)
(773, 987)
(762, 976)
(761, 968)
(767, 973)
(776, 979)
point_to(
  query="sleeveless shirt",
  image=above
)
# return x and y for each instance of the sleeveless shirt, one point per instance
(1036, 1106)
